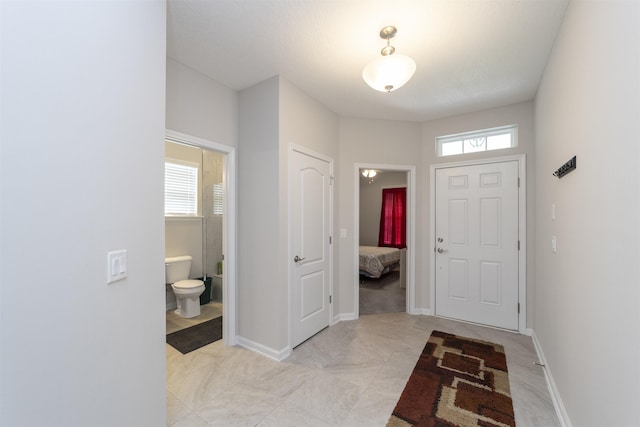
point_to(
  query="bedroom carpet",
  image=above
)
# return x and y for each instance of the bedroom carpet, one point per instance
(383, 295)
(194, 337)
(456, 382)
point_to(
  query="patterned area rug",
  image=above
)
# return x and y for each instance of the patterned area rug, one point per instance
(456, 382)
(197, 336)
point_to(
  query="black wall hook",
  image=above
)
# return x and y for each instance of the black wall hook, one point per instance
(566, 168)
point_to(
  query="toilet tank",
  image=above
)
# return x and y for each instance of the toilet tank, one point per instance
(177, 268)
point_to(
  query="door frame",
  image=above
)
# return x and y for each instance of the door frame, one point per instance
(411, 235)
(229, 248)
(522, 229)
(307, 152)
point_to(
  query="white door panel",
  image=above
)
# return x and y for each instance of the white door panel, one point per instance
(477, 243)
(312, 291)
(310, 247)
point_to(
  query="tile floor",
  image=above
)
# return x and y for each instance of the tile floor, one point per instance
(350, 374)
(207, 312)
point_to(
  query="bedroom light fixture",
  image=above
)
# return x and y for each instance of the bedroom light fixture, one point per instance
(369, 173)
(389, 72)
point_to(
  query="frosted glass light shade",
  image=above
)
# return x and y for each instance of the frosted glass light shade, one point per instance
(389, 73)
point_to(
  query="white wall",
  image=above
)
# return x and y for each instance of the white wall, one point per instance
(369, 141)
(272, 115)
(306, 123)
(199, 106)
(82, 129)
(587, 294)
(262, 298)
(521, 114)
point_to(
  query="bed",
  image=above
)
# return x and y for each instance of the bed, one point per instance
(376, 261)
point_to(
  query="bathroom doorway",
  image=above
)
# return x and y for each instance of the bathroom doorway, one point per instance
(201, 225)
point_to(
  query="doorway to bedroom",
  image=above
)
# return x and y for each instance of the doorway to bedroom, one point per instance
(385, 212)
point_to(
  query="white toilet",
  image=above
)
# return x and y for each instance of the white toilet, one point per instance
(187, 292)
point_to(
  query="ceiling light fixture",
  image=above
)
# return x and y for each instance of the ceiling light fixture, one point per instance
(389, 72)
(370, 174)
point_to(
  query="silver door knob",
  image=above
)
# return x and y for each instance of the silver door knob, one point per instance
(297, 259)
(440, 250)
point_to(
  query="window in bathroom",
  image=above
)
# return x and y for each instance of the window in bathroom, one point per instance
(180, 188)
(217, 199)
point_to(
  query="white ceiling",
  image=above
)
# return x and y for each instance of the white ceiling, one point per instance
(470, 54)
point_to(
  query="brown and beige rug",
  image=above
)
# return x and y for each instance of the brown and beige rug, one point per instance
(457, 381)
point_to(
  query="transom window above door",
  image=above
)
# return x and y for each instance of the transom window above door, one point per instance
(476, 141)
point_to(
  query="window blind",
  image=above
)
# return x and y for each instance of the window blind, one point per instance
(217, 199)
(180, 189)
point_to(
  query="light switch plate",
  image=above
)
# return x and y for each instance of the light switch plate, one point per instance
(116, 265)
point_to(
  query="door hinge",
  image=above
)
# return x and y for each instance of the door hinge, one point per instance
(329, 239)
(518, 308)
(518, 182)
(518, 244)
(329, 299)
(330, 180)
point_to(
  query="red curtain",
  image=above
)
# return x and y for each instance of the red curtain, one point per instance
(393, 218)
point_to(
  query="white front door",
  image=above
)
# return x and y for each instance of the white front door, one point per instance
(477, 243)
(310, 245)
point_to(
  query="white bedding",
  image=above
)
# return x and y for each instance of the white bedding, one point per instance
(375, 260)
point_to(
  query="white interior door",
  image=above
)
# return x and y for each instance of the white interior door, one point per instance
(310, 245)
(477, 243)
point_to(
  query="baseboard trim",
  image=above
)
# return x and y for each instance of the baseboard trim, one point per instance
(352, 316)
(277, 355)
(561, 411)
(344, 317)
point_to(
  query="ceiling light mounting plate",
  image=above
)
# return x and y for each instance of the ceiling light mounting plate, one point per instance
(388, 32)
